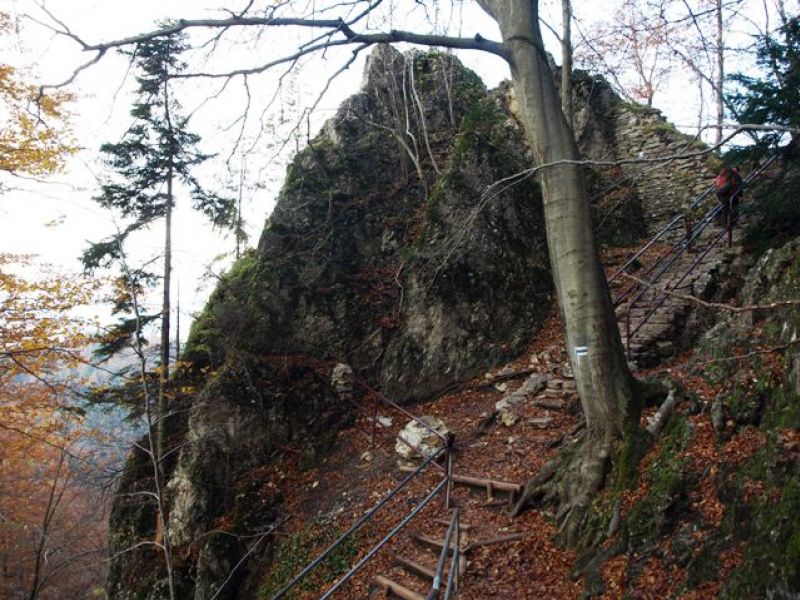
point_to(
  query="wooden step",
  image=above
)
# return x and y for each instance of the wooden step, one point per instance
(395, 588)
(462, 526)
(430, 542)
(437, 545)
(415, 568)
(489, 484)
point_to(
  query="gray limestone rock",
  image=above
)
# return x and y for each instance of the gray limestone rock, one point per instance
(419, 441)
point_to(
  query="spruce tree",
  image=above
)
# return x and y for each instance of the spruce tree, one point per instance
(153, 165)
(773, 97)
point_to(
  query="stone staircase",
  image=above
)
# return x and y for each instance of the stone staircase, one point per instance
(656, 318)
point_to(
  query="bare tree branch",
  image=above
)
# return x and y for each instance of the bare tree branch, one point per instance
(334, 27)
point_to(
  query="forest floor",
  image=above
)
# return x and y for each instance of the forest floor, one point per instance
(324, 501)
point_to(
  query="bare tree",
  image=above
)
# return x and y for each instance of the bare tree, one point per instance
(631, 49)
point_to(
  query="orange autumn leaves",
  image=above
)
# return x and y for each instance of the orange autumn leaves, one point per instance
(45, 510)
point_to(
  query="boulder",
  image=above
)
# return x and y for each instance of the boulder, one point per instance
(418, 436)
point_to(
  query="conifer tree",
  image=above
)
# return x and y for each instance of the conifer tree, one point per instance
(773, 97)
(154, 164)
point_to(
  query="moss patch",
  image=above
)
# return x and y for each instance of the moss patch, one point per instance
(299, 549)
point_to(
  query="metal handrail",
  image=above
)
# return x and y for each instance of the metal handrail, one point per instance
(437, 576)
(385, 540)
(677, 219)
(378, 396)
(453, 581)
(679, 248)
(663, 299)
(361, 521)
(446, 483)
(399, 408)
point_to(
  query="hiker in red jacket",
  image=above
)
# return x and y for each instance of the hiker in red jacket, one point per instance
(729, 192)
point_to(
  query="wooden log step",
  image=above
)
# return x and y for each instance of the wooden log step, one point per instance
(395, 588)
(437, 545)
(461, 526)
(503, 486)
(415, 568)
(424, 540)
(494, 484)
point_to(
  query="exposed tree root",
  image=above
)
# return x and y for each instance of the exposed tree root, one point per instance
(571, 479)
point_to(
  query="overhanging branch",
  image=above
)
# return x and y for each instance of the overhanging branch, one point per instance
(334, 27)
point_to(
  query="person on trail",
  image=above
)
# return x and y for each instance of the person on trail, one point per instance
(729, 192)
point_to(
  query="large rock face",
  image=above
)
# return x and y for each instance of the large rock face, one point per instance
(388, 249)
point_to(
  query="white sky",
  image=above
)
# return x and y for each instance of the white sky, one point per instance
(101, 115)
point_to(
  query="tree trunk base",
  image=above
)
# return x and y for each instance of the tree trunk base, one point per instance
(569, 481)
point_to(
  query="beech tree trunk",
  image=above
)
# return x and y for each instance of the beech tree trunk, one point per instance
(593, 341)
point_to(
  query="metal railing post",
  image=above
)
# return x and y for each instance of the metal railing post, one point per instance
(689, 227)
(730, 221)
(436, 586)
(449, 475)
(374, 419)
(628, 331)
(453, 578)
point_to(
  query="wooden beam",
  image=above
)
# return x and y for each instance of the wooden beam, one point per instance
(489, 484)
(395, 588)
(415, 568)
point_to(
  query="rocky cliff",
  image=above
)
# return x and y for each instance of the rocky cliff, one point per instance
(400, 245)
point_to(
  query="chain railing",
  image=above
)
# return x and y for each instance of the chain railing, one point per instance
(634, 293)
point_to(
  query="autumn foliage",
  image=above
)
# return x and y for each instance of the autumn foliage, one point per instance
(51, 525)
(34, 135)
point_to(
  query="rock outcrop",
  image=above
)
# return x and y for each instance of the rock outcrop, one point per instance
(388, 249)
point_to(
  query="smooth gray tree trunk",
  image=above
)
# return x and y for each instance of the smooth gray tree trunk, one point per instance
(593, 341)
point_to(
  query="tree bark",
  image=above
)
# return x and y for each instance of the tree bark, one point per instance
(161, 412)
(595, 349)
(720, 71)
(566, 61)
